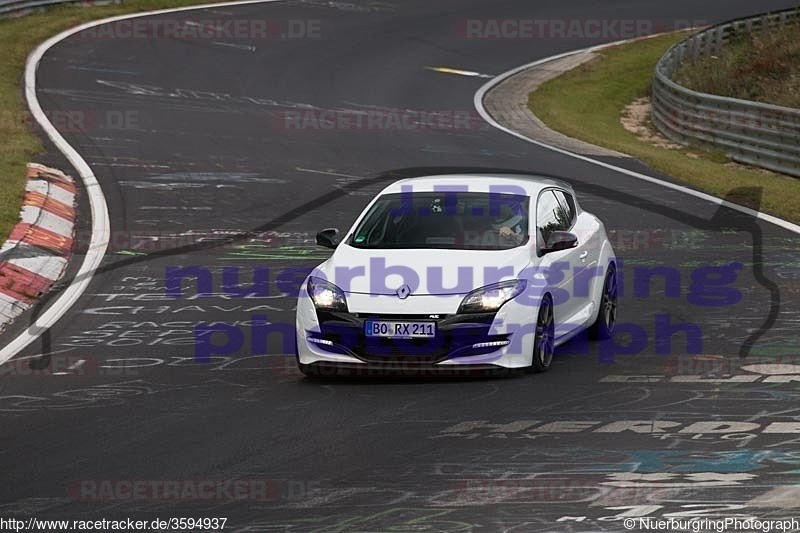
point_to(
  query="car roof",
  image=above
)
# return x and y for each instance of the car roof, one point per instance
(529, 185)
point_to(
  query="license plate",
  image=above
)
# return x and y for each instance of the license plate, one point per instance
(399, 329)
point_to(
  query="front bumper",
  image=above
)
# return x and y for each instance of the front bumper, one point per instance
(406, 370)
(467, 340)
(457, 336)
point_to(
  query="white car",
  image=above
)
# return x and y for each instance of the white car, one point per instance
(458, 272)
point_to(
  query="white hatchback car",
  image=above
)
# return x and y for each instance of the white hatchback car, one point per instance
(458, 271)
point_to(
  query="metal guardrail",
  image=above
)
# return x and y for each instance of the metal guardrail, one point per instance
(759, 134)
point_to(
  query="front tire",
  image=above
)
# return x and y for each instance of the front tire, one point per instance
(603, 327)
(544, 341)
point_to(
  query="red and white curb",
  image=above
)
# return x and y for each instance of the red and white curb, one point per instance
(39, 246)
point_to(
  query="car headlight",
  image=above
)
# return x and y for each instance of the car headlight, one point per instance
(492, 297)
(326, 295)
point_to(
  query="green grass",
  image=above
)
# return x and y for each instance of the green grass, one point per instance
(763, 66)
(587, 102)
(18, 37)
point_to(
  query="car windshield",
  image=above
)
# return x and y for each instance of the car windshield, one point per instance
(449, 220)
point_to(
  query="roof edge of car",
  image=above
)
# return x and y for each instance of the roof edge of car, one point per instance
(541, 180)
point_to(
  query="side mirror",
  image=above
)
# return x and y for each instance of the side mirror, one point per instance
(329, 237)
(560, 240)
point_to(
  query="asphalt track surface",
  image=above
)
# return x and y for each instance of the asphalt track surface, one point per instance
(208, 155)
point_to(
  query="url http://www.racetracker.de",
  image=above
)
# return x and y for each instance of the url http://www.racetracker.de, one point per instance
(720, 525)
(157, 524)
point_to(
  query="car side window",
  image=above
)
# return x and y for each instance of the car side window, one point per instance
(567, 204)
(550, 216)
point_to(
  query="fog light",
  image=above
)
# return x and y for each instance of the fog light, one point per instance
(315, 340)
(490, 344)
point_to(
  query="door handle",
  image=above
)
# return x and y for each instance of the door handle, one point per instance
(584, 255)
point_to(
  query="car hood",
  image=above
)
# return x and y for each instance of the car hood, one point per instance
(425, 271)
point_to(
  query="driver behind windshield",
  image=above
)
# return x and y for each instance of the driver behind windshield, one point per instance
(510, 226)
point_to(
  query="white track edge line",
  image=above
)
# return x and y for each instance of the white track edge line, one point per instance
(478, 103)
(101, 230)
